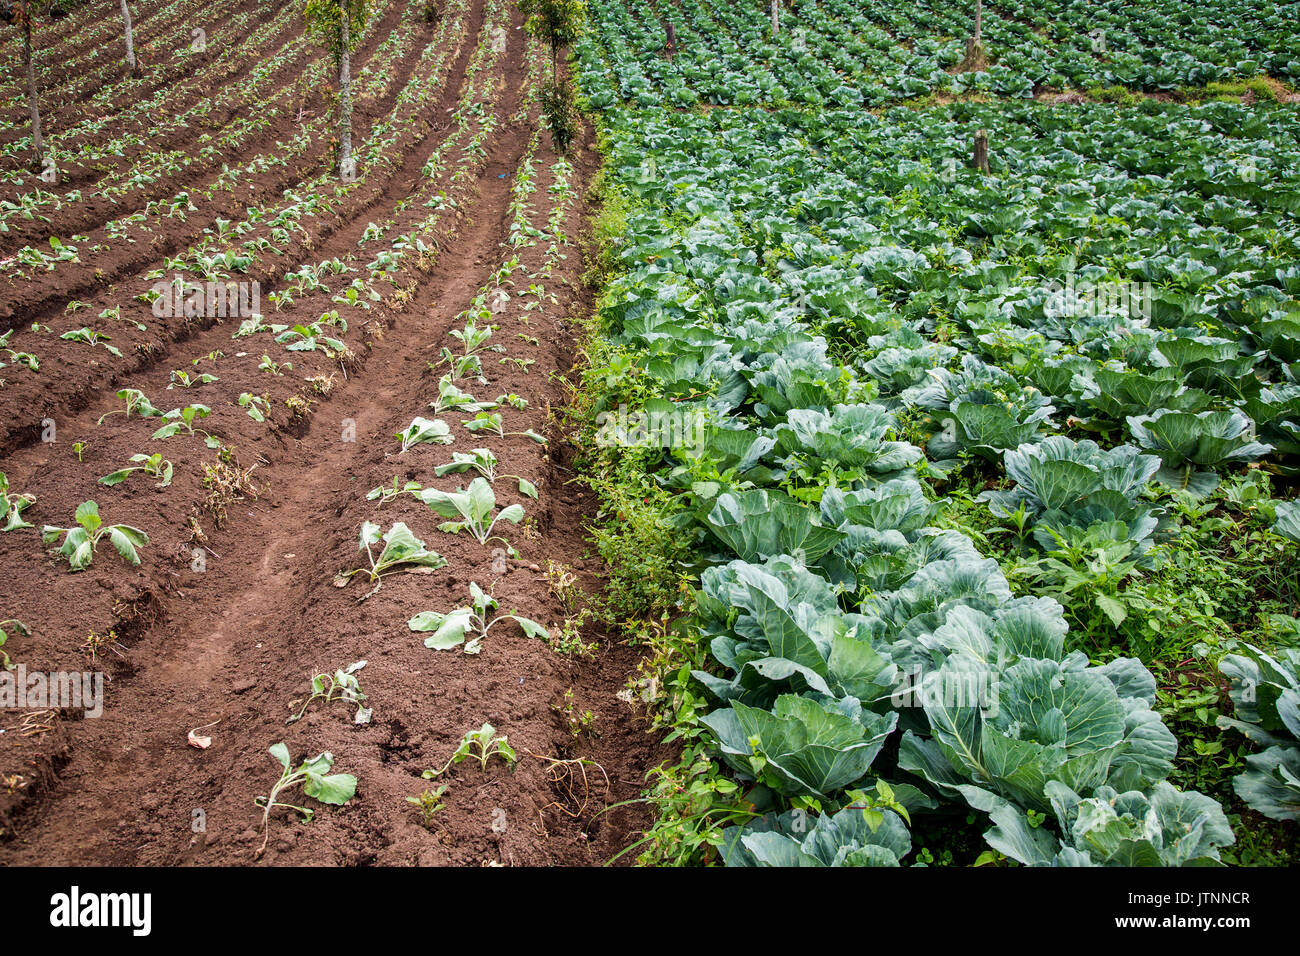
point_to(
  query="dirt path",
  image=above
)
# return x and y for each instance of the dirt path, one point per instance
(238, 640)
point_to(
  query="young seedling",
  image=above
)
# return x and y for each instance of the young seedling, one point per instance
(155, 466)
(474, 341)
(341, 685)
(429, 803)
(485, 463)
(275, 368)
(18, 627)
(79, 543)
(182, 420)
(383, 494)
(482, 744)
(13, 505)
(258, 406)
(469, 625)
(79, 447)
(136, 401)
(91, 337)
(493, 423)
(19, 358)
(402, 551)
(316, 781)
(185, 380)
(473, 507)
(425, 431)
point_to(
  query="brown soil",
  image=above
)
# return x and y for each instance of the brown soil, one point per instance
(237, 641)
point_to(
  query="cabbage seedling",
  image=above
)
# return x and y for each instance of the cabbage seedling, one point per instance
(341, 685)
(425, 431)
(482, 744)
(155, 466)
(402, 551)
(333, 789)
(13, 505)
(136, 401)
(182, 419)
(473, 507)
(18, 627)
(79, 543)
(469, 623)
(485, 463)
(383, 494)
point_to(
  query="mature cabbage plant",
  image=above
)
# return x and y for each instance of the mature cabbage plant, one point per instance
(833, 839)
(1064, 485)
(1164, 827)
(1188, 441)
(1266, 694)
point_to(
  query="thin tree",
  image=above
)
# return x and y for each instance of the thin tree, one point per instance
(130, 42)
(558, 22)
(337, 25)
(21, 13)
(975, 56)
(776, 17)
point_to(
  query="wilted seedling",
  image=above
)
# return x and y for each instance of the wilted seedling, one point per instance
(155, 466)
(182, 420)
(425, 431)
(341, 685)
(136, 401)
(317, 783)
(429, 803)
(402, 551)
(482, 744)
(473, 507)
(384, 494)
(18, 627)
(79, 543)
(13, 505)
(468, 625)
(449, 397)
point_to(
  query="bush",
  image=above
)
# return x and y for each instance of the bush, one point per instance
(561, 115)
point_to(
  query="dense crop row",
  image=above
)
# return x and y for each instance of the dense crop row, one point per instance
(842, 53)
(857, 323)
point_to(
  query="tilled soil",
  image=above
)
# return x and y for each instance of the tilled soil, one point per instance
(234, 605)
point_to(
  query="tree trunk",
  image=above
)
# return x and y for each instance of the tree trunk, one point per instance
(130, 42)
(346, 170)
(672, 39)
(776, 17)
(38, 141)
(979, 21)
(981, 158)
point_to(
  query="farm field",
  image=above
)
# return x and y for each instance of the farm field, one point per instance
(822, 445)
